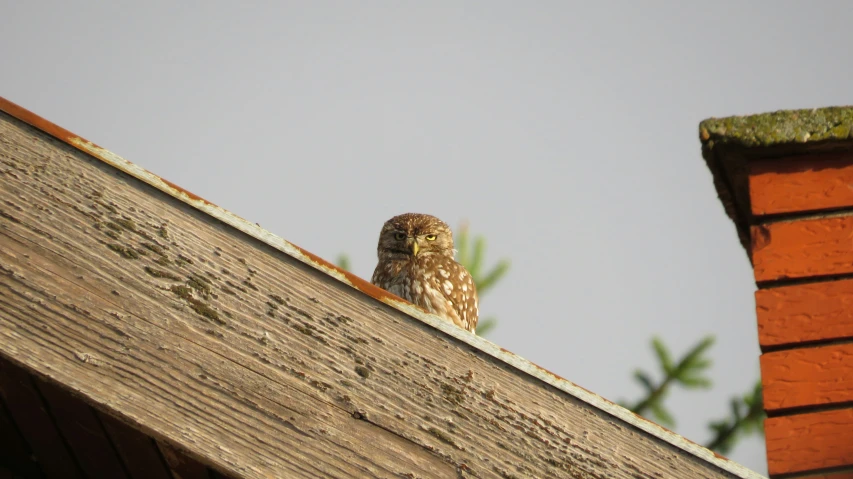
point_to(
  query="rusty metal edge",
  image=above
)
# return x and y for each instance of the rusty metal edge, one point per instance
(365, 287)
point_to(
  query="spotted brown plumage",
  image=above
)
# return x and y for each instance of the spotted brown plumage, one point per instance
(416, 263)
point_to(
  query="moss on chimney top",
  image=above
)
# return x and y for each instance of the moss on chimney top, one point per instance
(779, 127)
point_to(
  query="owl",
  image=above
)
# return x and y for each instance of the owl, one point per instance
(416, 263)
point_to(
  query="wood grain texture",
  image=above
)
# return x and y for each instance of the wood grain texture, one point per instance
(222, 406)
(803, 248)
(815, 376)
(801, 183)
(255, 363)
(812, 441)
(800, 313)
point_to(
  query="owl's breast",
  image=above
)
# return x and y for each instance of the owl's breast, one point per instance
(418, 282)
(403, 278)
(393, 276)
(399, 288)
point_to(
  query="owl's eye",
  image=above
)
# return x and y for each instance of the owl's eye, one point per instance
(430, 237)
(399, 236)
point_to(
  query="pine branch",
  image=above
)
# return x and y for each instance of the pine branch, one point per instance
(485, 283)
(485, 326)
(343, 262)
(737, 425)
(688, 373)
(461, 244)
(470, 254)
(653, 397)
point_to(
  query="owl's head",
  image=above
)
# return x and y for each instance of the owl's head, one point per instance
(413, 235)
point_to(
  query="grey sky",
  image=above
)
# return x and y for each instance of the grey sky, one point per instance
(565, 132)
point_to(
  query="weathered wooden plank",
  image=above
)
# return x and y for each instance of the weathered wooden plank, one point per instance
(814, 376)
(82, 432)
(14, 451)
(292, 373)
(238, 403)
(802, 183)
(802, 248)
(812, 441)
(801, 313)
(138, 452)
(324, 420)
(32, 417)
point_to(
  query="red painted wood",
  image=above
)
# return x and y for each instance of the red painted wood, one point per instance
(805, 312)
(812, 441)
(807, 377)
(802, 183)
(837, 475)
(802, 248)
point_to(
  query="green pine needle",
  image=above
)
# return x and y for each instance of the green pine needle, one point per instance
(644, 380)
(343, 262)
(485, 326)
(664, 358)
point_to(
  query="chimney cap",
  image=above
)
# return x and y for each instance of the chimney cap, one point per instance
(729, 143)
(779, 127)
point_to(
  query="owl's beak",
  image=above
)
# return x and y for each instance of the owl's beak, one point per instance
(415, 248)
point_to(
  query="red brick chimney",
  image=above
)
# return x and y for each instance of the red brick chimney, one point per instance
(786, 180)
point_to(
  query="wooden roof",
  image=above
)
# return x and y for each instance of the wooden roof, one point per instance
(45, 431)
(129, 304)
